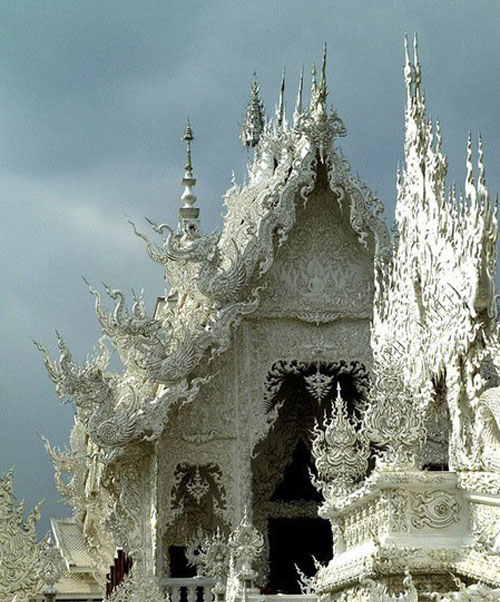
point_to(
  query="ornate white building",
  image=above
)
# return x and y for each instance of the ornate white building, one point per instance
(314, 407)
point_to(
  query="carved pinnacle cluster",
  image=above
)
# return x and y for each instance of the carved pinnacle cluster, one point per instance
(435, 300)
(255, 118)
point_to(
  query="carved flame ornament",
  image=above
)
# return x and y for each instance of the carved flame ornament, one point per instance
(340, 451)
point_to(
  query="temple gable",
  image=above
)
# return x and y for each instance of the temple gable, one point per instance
(321, 272)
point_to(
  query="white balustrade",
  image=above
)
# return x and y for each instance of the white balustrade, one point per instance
(189, 589)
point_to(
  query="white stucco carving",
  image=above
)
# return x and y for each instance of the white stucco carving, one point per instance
(302, 310)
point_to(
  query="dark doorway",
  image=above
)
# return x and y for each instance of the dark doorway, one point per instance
(294, 541)
(285, 502)
(296, 483)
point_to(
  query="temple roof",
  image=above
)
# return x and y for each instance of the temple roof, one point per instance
(71, 542)
(214, 278)
(78, 581)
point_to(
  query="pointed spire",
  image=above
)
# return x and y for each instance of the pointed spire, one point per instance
(470, 188)
(298, 104)
(322, 83)
(188, 197)
(416, 63)
(408, 70)
(481, 185)
(254, 122)
(439, 137)
(319, 92)
(314, 87)
(280, 111)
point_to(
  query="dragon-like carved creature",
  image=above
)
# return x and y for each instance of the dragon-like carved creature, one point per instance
(87, 384)
(196, 266)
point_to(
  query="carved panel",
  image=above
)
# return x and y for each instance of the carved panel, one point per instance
(321, 272)
(399, 499)
(365, 522)
(434, 509)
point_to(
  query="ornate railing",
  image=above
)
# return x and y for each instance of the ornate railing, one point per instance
(188, 589)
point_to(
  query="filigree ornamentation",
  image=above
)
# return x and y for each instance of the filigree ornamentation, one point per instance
(340, 452)
(19, 549)
(127, 483)
(394, 418)
(399, 499)
(140, 585)
(485, 525)
(318, 384)
(255, 118)
(214, 558)
(51, 565)
(197, 487)
(378, 591)
(198, 501)
(488, 429)
(434, 300)
(477, 592)
(246, 544)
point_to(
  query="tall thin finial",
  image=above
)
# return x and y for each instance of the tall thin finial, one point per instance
(298, 105)
(439, 137)
(188, 137)
(408, 70)
(280, 112)
(483, 191)
(416, 62)
(314, 86)
(322, 83)
(470, 189)
(188, 197)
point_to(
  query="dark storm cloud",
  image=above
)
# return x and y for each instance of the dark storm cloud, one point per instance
(93, 101)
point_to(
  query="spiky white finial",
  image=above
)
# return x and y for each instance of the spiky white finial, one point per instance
(439, 137)
(188, 197)
(298, 104)
(280, 111)
(314, 87)
(322, 82)
(319, 92)
(408, 70)
(254, 122)
(470, 188)
(481, 185)
(416, 63)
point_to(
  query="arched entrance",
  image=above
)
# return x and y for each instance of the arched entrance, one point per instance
(285, 503)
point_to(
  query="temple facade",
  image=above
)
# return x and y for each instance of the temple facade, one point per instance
(313, 409)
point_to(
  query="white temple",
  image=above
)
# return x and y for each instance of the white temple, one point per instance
(314, 409)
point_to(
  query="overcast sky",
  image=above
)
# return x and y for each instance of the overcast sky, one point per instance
(93, 100)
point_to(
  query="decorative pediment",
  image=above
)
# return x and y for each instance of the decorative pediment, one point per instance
(322, 272)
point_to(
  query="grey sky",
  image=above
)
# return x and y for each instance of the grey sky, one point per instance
(93, 101)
